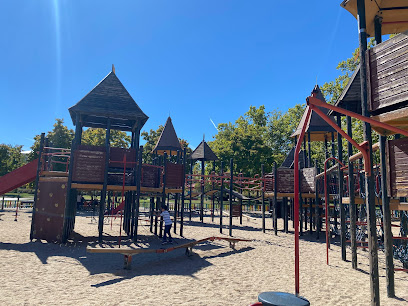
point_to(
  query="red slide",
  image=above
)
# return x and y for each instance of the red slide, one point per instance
(115, 211)
(18, 177)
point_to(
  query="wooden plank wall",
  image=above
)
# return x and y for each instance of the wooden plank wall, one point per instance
(89, 164)
(388, 74)
(150, 176)
(398, 167)
(116, 155)
(308, 177)
(174, 175)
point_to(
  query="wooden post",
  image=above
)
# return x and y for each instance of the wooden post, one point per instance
(317, 205)
(221, 194)
(138, 179)
(369, 186)
(213, 196)
(388, 241)
(36, 186)
(183, 190)
(191, 185)
(105, 181)
(285, 212)
(341, 188)
(240, 215)
(275, 197)
(151, 213)
(230, 194)
(352, 205)
(164, 190)
(263, 197)
(202, 191)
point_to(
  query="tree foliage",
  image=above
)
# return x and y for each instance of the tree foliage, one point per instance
(59, 137)
(256, 138)
(11, 158)
(97, 137)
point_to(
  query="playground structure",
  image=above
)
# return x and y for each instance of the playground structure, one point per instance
(295, 190)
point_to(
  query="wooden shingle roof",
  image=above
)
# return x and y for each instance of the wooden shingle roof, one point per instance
(317, 127)
(109, 99)
(168, 140)
(350, 97)
(203, 152)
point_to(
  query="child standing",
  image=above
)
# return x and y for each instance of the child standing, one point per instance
(167, 223)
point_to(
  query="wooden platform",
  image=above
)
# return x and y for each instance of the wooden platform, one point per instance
(127, 188)
(129, 252)
(394, 203)
(292, 195)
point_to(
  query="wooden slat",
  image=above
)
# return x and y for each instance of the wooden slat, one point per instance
(360, 201)
(54, 173)
(127, 188)
(358, 155)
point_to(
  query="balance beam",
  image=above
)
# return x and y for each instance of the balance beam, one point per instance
(129, 252)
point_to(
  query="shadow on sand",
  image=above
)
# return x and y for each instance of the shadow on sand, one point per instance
(172, 263)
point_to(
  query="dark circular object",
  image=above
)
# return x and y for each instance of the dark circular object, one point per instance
(282, 299)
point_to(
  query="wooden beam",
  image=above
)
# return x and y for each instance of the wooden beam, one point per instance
(358, 155)
(127, 188)
(359, 201)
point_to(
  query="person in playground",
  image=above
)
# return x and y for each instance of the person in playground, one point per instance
(167, 223)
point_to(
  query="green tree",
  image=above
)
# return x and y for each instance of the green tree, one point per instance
(11, 158)
(59, 137)
(96, 137)
(281, 127)
(246, 141)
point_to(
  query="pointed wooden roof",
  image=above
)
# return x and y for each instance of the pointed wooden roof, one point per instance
(168, 140)
(290, 158)
(350, 97)
(317, 127)
(203, 152)
(109, 99)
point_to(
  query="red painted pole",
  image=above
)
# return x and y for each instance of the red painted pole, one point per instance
(296, 205)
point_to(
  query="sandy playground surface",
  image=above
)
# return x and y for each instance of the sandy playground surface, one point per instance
(39, 273)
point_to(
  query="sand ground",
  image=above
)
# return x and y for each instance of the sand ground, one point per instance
(40, 273)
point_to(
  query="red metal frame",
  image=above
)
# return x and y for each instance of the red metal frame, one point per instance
(313, 102)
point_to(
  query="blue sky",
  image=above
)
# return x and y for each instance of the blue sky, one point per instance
(194, 59)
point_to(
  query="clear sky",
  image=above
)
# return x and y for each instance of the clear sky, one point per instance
(193, 59)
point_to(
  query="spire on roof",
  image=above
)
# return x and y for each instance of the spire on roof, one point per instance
(317, 127)
(109, 99)
(203, 152)
(168, 140)
(113, 68)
